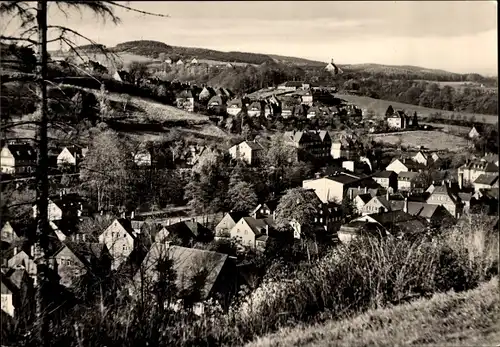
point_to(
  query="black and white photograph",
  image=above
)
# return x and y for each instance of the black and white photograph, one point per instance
(249, 173)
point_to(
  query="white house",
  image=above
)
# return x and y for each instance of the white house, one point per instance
(119, 238)
(7, 302)
(54, 211)
(249, 151)
(8, 233)
(194, 61)
(404, 165)
(473, 133)
(17, 159)
(71, 155)
(331, 188)
(142, 157)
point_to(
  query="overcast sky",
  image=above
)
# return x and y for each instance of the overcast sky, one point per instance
(455, 36)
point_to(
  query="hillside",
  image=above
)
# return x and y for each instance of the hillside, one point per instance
(152, 49)
(453, 319)
(380, 107)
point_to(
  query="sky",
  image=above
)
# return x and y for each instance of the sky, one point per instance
(457, 36)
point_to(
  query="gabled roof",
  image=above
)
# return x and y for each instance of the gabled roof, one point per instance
(258, 224)
(323, 134)
(445, 189)
(185, 94)
(16, 277)
(293, 84)
(365, 197)
(22, 151)
(88, 253)
(486, 179)
(235, 103)
(236, 216)
(187, 262)
(481, 166)
(255, 146)
(216, 99)
(255, 105)
(127, 225)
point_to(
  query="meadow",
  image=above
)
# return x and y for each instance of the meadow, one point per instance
(432, 140)
(380, 107)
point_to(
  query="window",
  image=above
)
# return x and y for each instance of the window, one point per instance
(246, 232)
(125, 248)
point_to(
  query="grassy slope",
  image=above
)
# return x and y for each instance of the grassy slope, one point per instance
(452, 319)
(380, 106)
(432, 140)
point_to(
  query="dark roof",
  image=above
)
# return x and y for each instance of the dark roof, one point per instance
(236, 216)
(486, 179)
(365, 197)
(216, 99)
(22, 151)
(187, 262)
(235, 102)
(253, 145)
(384, 174)
(88, 253)
(185, 94)
(407, 176)
(188, 231)
(481, 165)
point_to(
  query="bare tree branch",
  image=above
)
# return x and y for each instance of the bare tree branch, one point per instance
(117, 4)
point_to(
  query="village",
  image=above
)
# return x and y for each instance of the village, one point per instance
(351, 192)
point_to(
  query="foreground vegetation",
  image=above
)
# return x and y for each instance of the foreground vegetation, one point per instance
(367, 274)
(447, 319)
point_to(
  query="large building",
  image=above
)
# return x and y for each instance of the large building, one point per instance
(314, 143)
(400, 120)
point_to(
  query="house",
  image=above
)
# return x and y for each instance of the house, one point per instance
(343, 148)
(218, 271)
(179, 62)
(293, 86)
(407, 180)
(75, 259)
(474, 133)
(167, 60)
(251, 232)
(485, 182)
(400, 120)
(422, 158)
(391, 223)
(17, 159)
(250, 152)
(386, 179)
(435, 215)
(8, 292)
(255, 109)
(360, 201)
(234, 107)
(287, 110)
(21, 259)
(332, 188)
(314, 112)
(448, 197)
(187, 232)
(332, 68)
(206, 93)
(471, 170)
(404, 165)
(266, 209)
(306, 98)
(9, 234)
(490, 158)
(194, 61)
(122, 76)
(71, 155)
(142, 157)
(119, 239)
(185, 100)
(377, 204)
(227, 222)
(314, 143)
(217, 103)
(64, 206)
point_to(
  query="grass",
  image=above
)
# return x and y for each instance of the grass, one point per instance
(380, 106)
(432, 140)
(454, 319)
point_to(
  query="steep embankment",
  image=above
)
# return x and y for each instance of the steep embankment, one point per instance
(452, 319)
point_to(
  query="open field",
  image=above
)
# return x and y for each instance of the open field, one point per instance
(380, 106)
(459, 85)
(432, 140)
(447, 319)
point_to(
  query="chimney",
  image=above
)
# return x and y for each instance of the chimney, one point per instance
(83, 237)
(449, 183)
(332, 61)
(102, 212)
(267, 229)
(405, 207)
(61, 193)
(132, 215)
(461, 180)
(366, 190)
(32, 251)
(15, 250)
(123, 214)
(387, 197)
(351, 193)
